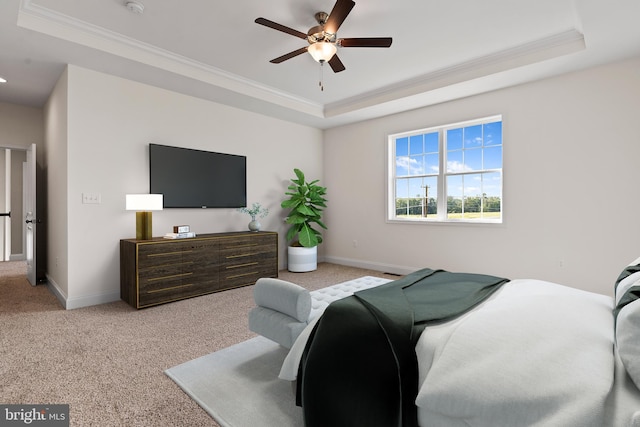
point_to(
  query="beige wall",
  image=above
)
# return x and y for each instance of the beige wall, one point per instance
(110, 122)
(569, 179)
(570, 185)
(55, 167)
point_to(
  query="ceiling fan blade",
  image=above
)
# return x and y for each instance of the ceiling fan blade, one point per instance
(366, 42)
(279, 27)
(336, 64)
(289, 55)
(338, 14)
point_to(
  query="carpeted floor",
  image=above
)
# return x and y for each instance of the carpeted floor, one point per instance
(108, 361)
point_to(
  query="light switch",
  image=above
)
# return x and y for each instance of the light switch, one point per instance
(91, 198)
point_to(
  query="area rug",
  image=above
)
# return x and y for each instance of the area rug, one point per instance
(239, 385)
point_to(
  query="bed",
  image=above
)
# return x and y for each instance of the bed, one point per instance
(527, 353)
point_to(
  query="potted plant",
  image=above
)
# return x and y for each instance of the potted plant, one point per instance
(255, 211)
(306, 202)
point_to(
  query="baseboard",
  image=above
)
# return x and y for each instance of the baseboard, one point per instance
(385, 268)
(17, 257)
(79, 302)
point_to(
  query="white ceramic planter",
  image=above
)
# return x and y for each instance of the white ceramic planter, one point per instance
(302, 259)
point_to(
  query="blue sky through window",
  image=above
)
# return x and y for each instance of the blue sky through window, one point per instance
(471, 148)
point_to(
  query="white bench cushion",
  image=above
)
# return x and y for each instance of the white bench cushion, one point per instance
(282, 296)
(283, 309)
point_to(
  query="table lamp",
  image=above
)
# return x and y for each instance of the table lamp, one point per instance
(143, 204)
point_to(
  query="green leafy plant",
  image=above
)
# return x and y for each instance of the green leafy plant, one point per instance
(255, 210)
(306, 201)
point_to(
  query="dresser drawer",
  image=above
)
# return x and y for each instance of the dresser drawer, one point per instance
(160, 270)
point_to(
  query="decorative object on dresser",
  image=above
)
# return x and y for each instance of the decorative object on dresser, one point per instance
(256, 211)
(144, 204)
(306, 201)
(162, 270)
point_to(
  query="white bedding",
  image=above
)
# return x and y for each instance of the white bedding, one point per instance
(534, 354)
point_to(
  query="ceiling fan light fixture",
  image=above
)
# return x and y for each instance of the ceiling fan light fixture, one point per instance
(322, 51)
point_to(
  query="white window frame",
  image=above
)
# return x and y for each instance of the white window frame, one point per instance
(442, 175)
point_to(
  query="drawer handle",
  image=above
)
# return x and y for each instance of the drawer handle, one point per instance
(164, 254)
(238, 256)
(170, 289)
(241, 275)
(155, 279)
(241, 265)
(241, 246)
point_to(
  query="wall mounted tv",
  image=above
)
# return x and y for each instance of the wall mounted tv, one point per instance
(190, 178)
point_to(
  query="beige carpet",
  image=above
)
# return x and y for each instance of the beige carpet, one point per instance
(108, 361)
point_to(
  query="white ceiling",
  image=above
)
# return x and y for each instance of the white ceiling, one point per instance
(442, 49)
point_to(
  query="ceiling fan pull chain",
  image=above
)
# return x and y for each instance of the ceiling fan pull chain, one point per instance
(320, 83)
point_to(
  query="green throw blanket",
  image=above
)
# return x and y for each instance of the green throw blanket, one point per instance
(359, 367)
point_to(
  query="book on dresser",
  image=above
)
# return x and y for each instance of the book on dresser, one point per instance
(163, 270)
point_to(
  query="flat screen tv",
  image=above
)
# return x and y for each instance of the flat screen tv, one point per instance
(190, 178)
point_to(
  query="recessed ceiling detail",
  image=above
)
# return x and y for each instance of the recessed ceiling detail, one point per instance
(441, 50)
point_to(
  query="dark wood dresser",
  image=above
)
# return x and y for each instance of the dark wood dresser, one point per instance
(163, 270)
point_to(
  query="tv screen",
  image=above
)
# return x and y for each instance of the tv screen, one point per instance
(190, 178)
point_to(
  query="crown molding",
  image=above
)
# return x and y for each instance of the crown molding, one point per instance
(44, 20)
(421, 90)
(553, 46)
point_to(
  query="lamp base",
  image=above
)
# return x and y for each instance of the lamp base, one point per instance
(143, 225)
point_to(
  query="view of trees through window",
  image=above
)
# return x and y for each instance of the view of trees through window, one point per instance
(461, 162)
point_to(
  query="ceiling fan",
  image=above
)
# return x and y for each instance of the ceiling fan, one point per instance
(323, 40)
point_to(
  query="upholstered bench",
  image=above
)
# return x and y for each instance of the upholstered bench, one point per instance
(283, 309)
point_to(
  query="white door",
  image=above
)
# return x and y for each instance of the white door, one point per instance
(30, 214)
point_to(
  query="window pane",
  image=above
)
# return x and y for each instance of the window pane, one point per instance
(431, 163)
(473, 136)
(472, 202)
(402, 188)
(459, 177)
(454, 139)
(454, 197)
(402, 156)
(402, 207)
(415, 187)
(402, 147)
(422, 199)
(402, 166)
(473, 159)
(454, 161)
(493, 157)
(493, 133)
(416, 145)
(492, 184)
(431, 193)
(416, 165)
(431, 142)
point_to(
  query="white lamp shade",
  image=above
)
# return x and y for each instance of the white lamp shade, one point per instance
(322, 51)
(144, 202)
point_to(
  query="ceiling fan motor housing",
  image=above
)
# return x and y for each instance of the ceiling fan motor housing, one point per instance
(318, 34)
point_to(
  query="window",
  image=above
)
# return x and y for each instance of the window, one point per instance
(449, 173)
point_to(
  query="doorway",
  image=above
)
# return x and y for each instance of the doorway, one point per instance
(18, 207)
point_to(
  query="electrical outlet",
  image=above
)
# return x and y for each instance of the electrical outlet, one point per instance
(91, 198)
